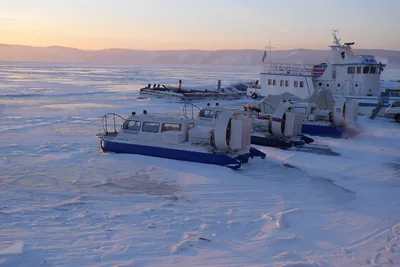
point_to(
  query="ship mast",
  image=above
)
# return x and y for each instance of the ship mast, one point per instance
(269, 54)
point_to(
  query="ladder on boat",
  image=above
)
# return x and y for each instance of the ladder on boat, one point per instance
(376, 110)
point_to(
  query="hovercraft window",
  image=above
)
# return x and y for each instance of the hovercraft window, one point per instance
(269, 81)
(132, 125)
(151, 127)
(281, 82)
(273, 82)
(301, 84)
(207, 113)
(171, 127)
(296, 83)
(286, 83)
(359, 70)
(301, 109)
(366, 70)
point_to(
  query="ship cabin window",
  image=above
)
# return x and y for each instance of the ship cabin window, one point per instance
(372, 70)
(351, 70)
(273, 82)
(296, 84)
(206, 113)
(171, 127)
(269, 81)
(378, 70)
(282, 82)
(301, 109)
(132, 125)
(287, 83)
(217, 114)
(301, 84)
(365, 70)
(359, 69)
(150, 127)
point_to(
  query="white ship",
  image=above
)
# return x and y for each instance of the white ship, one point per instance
(346, 75)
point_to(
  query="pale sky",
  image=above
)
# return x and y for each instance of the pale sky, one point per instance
(199, 24)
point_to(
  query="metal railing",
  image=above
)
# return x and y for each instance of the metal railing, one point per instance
(282, 68)
(191, 108)
(104, 121)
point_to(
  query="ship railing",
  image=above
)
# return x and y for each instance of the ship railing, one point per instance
(282, 68)
(365, 56)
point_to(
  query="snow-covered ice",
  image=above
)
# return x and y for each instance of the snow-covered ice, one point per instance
(65, 203)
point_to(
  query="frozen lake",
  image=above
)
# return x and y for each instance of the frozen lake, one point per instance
(65, 203)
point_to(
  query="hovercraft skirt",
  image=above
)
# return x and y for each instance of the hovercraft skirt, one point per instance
(323, 130)
(272, 142)
(178, 154)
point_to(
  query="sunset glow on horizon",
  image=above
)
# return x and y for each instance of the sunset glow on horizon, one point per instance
(204, 25)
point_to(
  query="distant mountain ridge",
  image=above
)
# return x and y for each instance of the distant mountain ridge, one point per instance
(248, 57)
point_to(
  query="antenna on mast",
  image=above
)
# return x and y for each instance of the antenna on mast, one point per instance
(334, 31)
(269, 47)
(336, 40)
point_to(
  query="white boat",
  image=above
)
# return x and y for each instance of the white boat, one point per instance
(354, 77)
(393, 111)
(227, 143)
(281, 130)
(243, 85)
(322, 114)
(230, 92)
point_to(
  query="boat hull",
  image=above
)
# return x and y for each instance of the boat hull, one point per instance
(187, 96)
(179, 154)
(328, 130)
(322, 130)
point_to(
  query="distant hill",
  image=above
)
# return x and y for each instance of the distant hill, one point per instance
(247, 57)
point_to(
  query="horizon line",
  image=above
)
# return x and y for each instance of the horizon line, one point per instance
(175, 50)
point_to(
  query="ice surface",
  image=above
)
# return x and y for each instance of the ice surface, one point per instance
(64, 203)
